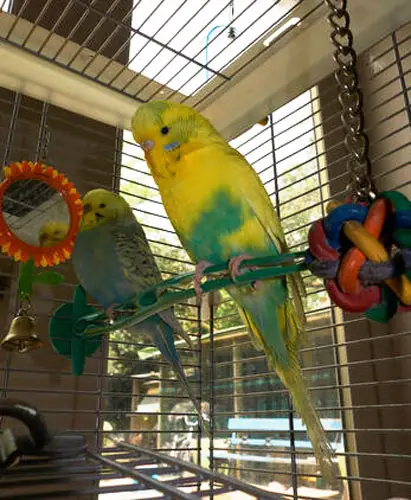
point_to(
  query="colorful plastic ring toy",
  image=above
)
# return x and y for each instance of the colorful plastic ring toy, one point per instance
(319, 247)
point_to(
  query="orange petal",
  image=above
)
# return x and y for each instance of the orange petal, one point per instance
(49, 172)
(60, 179)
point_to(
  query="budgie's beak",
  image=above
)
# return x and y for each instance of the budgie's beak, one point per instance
(89, 219)
(147, 145)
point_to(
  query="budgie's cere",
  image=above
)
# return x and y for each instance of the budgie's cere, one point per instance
(52, 232)
(114, 263)
(221, 211)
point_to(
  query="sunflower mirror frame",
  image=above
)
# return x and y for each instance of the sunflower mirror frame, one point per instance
(18, 249)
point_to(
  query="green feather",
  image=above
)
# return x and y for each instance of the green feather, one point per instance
(263, 309)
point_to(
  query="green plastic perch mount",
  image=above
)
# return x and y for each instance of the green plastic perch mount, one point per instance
(76, 329)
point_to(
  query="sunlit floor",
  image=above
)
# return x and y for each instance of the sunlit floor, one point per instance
(232, 495)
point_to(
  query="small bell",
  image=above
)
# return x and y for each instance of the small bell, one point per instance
(231, 33)
(21, 336)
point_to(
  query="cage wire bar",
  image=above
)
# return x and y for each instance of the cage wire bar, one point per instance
(359, 373)
(164, 32)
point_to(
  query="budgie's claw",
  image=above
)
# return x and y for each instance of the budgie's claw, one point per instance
(235, 271)
(235, 263)
(198, 276)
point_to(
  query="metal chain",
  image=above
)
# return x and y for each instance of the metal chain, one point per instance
(351, 99)
(44, 151)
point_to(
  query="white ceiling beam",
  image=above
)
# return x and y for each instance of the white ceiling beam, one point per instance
(22, 72)
(284, 71)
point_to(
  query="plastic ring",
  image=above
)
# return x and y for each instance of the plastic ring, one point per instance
(353, 303)
(335, 220)
(318, 243)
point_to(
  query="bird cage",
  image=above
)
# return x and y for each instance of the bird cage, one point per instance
(71, 76)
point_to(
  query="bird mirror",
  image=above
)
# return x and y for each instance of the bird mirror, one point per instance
(40, 212)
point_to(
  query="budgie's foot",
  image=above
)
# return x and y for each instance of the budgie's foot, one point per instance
(235, 271)
(199, 275)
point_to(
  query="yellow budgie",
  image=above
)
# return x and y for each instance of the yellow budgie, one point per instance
(221, 212)
(52, 232)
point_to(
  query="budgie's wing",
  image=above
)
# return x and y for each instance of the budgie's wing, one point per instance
(139, 265)
(257, 199)
(273, 229)
(291, 317)
(134, 253)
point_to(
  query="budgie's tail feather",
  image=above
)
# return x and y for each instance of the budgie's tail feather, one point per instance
(293, 379)
(170, 319)
(291, 375)
(180, 374)
(183, 335)
(164, 341)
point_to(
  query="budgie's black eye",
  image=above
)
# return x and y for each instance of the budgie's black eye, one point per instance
(165, 130)
(102, 205)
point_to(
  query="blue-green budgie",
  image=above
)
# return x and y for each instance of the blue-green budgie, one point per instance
(114, 263)
(222, 213)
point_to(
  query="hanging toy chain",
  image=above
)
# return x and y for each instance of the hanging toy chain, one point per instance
(351, 100)
(361, 241)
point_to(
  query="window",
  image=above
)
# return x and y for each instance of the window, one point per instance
(287, 153)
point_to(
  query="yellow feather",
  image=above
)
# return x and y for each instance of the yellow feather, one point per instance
(197, 196)
(249, 234)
